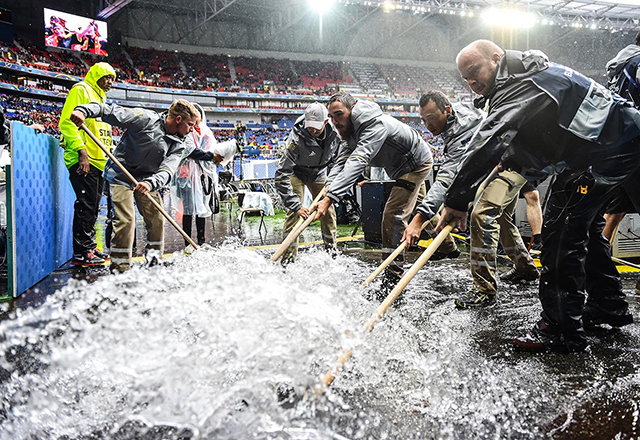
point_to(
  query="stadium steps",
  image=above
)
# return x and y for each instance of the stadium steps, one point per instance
(130, 60)
(232, 71)
(293, 69)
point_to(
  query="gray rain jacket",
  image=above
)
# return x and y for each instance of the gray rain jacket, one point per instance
(305, 157)
(544, 118)
(146, 150)
(624, 75)
(378, 140)
(462, 123)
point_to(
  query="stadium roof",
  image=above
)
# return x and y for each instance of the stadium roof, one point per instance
(595, 14)
(601, 14)
(588, 9)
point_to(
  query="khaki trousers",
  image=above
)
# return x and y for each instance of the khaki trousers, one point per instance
(125, 223)
(328, 224)
(492, 218)
(398, 209)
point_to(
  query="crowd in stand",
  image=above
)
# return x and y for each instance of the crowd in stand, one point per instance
(30, 111)
(318, 75)
(262, 142)
(35, 111)
(159, 68)
(210, 70)
(435, 142)
(185, 71)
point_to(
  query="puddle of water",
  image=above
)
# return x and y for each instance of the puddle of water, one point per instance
(197, 349)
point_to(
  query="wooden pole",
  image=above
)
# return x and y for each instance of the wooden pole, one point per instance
(135, 182)
(292, 237)
(329, 376)
(388, 261)
(300, 226)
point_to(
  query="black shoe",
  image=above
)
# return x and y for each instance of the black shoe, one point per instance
(592, 319)
(332, 250)
(541, 339)
(475, 299)
(98, 253)
(515, 276)
(529, 342)
(534, 340)
(87, 259)
(441, 256)
(152, 258)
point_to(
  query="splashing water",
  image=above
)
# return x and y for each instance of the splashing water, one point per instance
(199, 348)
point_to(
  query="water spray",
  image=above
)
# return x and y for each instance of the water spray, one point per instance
(329, 376)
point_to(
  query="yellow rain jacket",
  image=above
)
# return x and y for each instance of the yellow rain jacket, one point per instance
(74, 139)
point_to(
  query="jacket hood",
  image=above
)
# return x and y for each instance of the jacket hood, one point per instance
(97, 71)
(516, 65)
(615, 66)
(463, 116)
(363, 112)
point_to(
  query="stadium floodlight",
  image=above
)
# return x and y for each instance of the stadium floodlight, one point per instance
(388, 6)
(321, 6)
(510, 18)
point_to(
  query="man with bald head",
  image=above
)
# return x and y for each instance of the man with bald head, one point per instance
(493, 215)
(480, 63)
(547, 118)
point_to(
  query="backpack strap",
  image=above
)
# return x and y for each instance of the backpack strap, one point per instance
(629, 77)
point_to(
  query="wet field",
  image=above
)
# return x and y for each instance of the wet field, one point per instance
(206, 346)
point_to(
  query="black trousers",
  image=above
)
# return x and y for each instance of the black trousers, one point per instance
(578, 275)
(187, 221)
(88, 191)
(111, 215)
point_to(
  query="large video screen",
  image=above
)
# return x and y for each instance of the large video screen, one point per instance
(73, 32)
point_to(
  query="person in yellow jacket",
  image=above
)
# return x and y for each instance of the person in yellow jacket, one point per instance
(85, 161)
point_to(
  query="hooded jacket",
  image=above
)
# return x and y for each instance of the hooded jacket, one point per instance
(146, 150)
(74, 139)
(378, 140)
(462, 123)
(305, 157)
(624, 75)
(544, 118)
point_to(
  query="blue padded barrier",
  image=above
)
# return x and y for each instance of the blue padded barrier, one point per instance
(41, 208)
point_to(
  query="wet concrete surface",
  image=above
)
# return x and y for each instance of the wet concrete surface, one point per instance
(605, 380)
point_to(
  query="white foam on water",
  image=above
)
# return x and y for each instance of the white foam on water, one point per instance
(200, 346)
